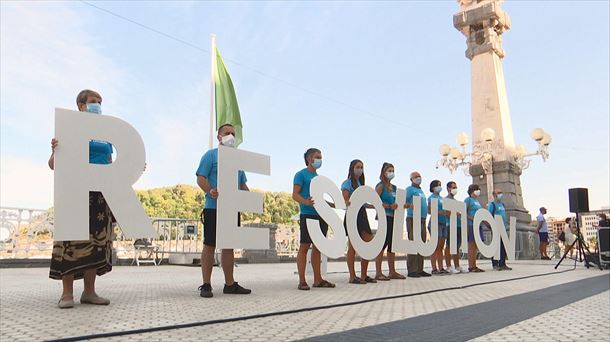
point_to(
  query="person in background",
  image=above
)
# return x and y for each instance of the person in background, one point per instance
(387, 193)
(472, 205)
(496, 208)
(301, 194)
(207, 179)
(85, 260)
(543, 233)
(436, 259)
(355, 178)
(569, 231)
(452, 190)
(415, 262)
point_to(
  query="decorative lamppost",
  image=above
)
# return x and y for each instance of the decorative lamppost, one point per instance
(454, 158)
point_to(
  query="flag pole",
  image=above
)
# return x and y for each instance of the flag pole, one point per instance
(212, 86)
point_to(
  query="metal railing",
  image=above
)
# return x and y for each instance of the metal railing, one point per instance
(25, 233)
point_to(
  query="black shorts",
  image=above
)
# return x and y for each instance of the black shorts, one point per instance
(390, 232)
(305, 238)
(209, 226)
(362, 222)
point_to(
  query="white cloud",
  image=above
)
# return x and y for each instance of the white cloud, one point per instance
(46, 56)
(25, 183)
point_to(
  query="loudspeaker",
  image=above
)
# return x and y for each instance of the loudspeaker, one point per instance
(579, 200)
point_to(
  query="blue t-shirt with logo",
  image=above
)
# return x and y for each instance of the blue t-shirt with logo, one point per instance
(100, 152)
(472, 205)
(347, 185)
(415, 191)
(303, 179)
(208, 168)
(497, 208)
(459, 219)
(442, 219)
(388, 198)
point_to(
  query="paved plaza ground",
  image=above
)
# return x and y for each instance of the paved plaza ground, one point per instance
(533, 302)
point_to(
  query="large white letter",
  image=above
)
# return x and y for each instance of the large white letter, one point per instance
(423, 248)
(456, 207)
(75, 176)
(494, 246)
(335, 247)
(508, 239)
(399, 243)
(231, 200)
(362, 196)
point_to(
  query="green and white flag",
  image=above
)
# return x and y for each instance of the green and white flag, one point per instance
(227, 109)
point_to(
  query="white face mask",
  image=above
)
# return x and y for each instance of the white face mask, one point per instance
(477, 193)
(438, 189)
(454, 191)
(228, 140)
(358, 172)
(389, 175)
(417, 180)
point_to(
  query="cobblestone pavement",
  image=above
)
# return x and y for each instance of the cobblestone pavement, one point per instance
(585, 320)
(146, 297)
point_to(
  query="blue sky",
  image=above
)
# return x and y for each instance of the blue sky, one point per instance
(378, 81)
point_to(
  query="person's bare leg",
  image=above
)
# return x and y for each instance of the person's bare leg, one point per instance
(89, 281)
(364, 264)
(207, 263)
(447, 257)
(378, 260)
(351, 260)
(439, 257)
(392, 262)
(302, 261)
(456, 261)
(472, 255)
(67, 283)
(315, 265)
(227, 262)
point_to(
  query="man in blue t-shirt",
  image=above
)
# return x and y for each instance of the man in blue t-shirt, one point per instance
(415, 262)
(496, 208)
(207, 177)
(301, 194)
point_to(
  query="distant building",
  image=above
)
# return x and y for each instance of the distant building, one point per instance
(589, 222)
(556, 226)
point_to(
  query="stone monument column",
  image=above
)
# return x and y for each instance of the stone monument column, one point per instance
(483, 22)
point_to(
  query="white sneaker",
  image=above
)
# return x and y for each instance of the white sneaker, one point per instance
(452, 270)
(463, 269)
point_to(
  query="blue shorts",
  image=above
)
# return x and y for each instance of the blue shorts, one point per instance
(442, 230)
(471, 232)
(544, 237)
(459, 237)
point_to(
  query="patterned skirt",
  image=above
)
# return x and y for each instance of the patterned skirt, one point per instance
(75, 257)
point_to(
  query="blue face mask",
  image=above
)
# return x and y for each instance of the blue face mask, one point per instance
(317, 163)
(95, 108)
(499, 196)
(438, 189)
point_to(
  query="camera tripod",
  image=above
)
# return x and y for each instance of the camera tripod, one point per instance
(582, 251)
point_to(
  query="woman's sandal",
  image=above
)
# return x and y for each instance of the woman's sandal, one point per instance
(324, 283)
(397, 276)
(382, 278)
(369, 280)
(357, 280)
(303, 287)
(475, 270)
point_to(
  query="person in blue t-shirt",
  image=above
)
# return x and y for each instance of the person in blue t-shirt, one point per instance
(436, 259)
(496, 208)
(301, 194)
(207, 178)
(472, 205)
(452, 190)
(355, 178)
(387, 192)
(85, 260)
(415, 262)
